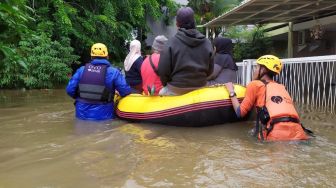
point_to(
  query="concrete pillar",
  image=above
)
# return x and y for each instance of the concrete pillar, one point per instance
(290, 40)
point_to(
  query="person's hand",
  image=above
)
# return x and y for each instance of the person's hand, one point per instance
(229, 86)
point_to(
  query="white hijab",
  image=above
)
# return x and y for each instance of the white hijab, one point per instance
(134, 54)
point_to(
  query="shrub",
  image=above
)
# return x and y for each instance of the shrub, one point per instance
(47, 61)
(250, 44)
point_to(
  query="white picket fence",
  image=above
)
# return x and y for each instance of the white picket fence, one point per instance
(309, 80)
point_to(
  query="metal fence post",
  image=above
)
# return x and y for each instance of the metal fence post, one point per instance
(248, 71)
(309, 80)
(243, 81)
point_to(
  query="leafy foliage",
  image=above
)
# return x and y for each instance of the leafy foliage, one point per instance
(40, 39)
(13, 25)
(206, 10)
(168, 10)
(47, 61)
(12, 72)
(250, 44)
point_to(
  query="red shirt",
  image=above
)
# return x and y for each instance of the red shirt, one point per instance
(149, 77)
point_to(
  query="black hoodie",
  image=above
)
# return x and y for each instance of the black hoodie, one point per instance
(186, 61)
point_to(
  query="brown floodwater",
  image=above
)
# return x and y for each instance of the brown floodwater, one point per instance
(43, 145)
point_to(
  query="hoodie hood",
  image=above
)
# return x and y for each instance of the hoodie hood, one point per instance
(190, 37)
(223, 45)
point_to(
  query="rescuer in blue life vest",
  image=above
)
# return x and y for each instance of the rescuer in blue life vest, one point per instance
(93, 86)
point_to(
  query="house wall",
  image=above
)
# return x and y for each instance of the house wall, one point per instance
(326, 46)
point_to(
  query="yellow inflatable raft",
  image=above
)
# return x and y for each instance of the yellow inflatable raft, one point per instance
(202, 107)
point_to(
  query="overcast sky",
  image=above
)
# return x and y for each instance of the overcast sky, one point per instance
(183, 2)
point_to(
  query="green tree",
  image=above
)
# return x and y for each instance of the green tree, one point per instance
(250, 44)
(206, 10)
(14, 18)
(87, 22)
(47, 61)
(61, 32)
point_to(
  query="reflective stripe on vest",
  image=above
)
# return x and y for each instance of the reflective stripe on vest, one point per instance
(92, 84)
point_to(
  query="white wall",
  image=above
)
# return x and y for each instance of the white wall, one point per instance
(160, 28)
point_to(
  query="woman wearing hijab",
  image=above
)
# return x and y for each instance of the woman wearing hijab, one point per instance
(132, 65)
(225, 69)
(151, 83)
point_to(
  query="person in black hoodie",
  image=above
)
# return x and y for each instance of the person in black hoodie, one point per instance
(225, 69)
(186, 61)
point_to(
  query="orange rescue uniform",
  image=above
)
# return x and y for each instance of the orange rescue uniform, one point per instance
(279, 104)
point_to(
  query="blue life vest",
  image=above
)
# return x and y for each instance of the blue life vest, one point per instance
(91, 86)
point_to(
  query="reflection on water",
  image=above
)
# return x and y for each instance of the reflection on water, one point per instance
(43, 145)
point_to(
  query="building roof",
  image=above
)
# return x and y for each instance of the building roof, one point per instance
(275, 11)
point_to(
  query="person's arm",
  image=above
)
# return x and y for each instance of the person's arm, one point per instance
(248, 102)
(234, 100)
(165, 65)
(217, 69)
(72, 86)
(120, 84)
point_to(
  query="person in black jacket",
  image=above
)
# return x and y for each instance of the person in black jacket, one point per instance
(186, 61)
(225, 69)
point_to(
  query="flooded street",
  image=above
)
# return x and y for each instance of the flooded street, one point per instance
(43, 145)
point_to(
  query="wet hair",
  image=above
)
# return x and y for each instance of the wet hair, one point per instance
(185, 18)
(269, 73)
